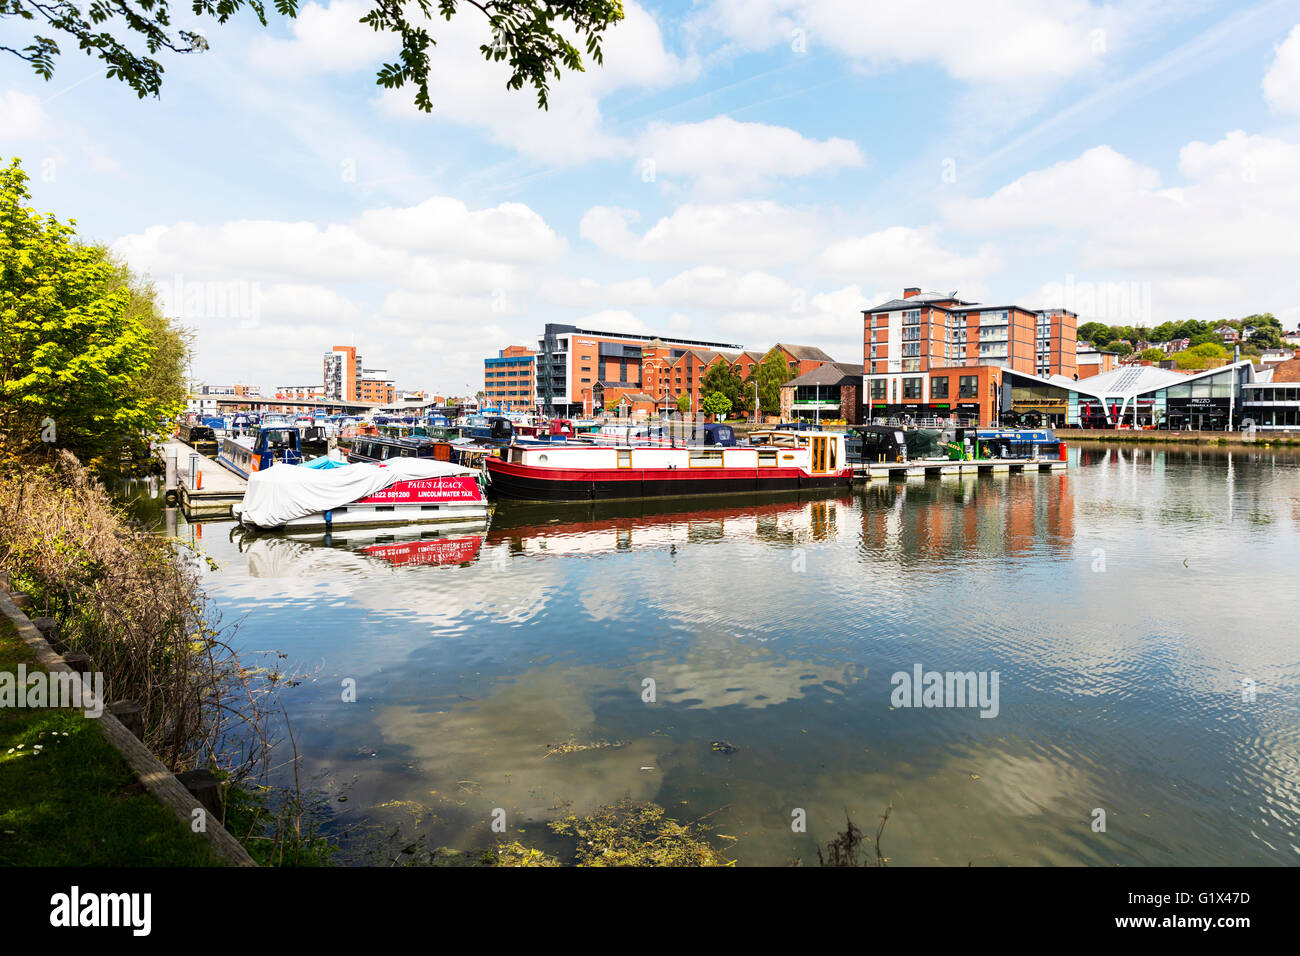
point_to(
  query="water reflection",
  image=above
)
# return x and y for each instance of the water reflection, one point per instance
(1122, 603)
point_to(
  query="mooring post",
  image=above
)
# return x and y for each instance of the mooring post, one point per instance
(49, 629)
(79, 661)
(130, 714)
(206, 788)
(169, 491)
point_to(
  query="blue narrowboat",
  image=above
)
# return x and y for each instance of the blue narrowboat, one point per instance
(269, 445)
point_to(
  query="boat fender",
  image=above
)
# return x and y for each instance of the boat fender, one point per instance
(329, 520)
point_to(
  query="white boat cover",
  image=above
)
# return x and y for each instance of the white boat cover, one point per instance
(284, 492)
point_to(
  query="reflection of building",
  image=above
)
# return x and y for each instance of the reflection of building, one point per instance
(935, 355)
(924, 521)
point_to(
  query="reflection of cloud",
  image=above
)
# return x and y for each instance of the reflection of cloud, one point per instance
(722, 673)
(492, 752)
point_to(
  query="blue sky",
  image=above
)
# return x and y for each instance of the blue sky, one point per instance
(744, 171)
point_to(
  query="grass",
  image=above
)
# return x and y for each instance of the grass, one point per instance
(68, 798)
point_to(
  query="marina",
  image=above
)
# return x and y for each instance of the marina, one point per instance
(773, 622)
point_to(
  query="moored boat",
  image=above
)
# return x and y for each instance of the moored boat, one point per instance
(575, 471)
(246, 455)
(403, 491)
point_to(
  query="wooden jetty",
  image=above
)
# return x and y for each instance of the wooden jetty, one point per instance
(209, 491)
(942, 467)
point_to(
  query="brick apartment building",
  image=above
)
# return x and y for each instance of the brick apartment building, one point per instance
(935, 355)
(344, 378)
(579, 371)
(508, 379)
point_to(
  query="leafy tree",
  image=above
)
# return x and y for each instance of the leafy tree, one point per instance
(1209, 350)
(1089, 331)
(725, 380)
(524, 32)
(715, 404)
(1120, 348)
(78, 342)
(684, 403)
(1152, 355)
(770, 374)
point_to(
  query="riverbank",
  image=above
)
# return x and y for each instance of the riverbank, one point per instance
(68, 798)
(1223, 439)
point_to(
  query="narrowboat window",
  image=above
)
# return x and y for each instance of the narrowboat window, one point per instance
(625, 458)
(541, 459)
(767, 457)
(832, 450)
(706, 459)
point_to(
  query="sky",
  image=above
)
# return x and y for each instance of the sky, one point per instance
(738, 171)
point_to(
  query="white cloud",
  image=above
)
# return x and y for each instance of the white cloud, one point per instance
(905, 255)
(471, 92)
(725, 155)
(756, 233)
(1282, 81)
(448, 276)
(510, 232)
(326, 39)
(1221, 242)
(1111, 182)
(1004, 42)
(22, 116)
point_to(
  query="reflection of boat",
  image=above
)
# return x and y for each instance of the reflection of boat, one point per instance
(304, 556)
(574, 472)
(427, 551)
(404, 491)
(598, 527)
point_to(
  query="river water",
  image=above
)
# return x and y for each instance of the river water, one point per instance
(736, 658)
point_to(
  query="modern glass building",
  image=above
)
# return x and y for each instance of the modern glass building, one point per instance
(1141, 396)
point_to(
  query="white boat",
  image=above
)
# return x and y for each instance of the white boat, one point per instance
(401, 491)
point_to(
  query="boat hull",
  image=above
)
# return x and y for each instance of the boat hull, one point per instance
(525, 483)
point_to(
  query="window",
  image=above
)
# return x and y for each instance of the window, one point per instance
(967, 386)
(701, 458)
(767, 458)
(878, 388)
(625, 458)
(912, 388)
(938, 388)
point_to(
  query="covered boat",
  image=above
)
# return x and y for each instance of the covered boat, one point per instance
(403, 491)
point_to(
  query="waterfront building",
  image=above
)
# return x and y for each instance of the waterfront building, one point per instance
(508, 379)
(570, 361)
(934, 355)
(1272, 401)
(831, 390)
(1136, 396)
